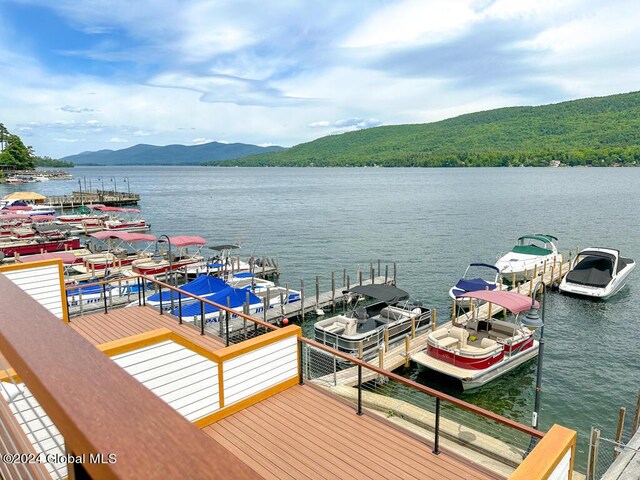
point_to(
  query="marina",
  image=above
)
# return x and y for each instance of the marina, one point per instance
(412, 277)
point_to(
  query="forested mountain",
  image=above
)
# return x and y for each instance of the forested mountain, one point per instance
(591, 131)
(169, 155)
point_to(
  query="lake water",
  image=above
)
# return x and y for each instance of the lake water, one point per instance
(432, 223)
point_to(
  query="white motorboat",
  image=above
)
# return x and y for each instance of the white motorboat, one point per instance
(597, 273)
(477, 276)
(221, 264)
(532, 252)
(170, 261)
(477, 351)
(363, 329)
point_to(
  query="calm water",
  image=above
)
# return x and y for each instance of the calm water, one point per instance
(432, 222)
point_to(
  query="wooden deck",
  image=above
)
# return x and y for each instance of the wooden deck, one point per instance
(303, 433)
(124, 322)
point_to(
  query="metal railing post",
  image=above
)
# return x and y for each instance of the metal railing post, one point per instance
(226, 320)
(201, 317)
(139, 291)
(160, 290)
(180, 309)
(104, 297)
(144, 293)
(301, 363)
(436, 440)
(359, 389)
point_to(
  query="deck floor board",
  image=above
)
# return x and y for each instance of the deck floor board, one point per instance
(125, 322)
(308, 434)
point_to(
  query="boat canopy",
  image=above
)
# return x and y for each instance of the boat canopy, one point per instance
(43, 218)
(383, 293)
(492, 267)
(203, 285)
(538, 236)
(14, 216)
(67, 257)
(225, 247)
(32, 196)
(129, 237)
(531, 250)
(237, 297)
(16, 208)
(514, 302)
(185, 241)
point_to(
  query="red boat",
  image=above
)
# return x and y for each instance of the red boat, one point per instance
(119, 250)
(39, 245)
(476, 350)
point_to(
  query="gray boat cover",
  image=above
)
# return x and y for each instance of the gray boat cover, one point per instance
(594, 271)
(383, 293)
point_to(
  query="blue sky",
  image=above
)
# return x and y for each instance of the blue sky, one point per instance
(79, 75)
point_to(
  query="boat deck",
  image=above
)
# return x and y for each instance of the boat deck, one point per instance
(273, 436)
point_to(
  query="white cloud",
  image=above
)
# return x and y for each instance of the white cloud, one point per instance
(321, 123)
(118, 140)
(201, 140)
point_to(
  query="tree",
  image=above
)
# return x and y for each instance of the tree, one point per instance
(16, 154)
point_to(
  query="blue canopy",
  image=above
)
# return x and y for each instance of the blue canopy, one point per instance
(237, 296)
(202, 286)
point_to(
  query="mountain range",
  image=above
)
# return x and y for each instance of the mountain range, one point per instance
(595, 131)
(143, 154)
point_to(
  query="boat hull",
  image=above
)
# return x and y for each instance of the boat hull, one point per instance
(605, 293)
(474, 378)
(32, 248)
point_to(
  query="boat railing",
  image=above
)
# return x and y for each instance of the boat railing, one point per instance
(443, 421)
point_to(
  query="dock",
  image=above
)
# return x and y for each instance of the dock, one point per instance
(109, 198)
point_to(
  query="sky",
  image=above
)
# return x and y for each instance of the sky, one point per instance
(86, 75)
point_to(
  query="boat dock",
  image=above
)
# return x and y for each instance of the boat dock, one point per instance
(109, 198)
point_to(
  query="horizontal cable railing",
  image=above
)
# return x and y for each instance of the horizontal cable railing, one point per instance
(443, 420)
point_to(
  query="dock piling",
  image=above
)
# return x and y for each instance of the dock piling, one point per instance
(333, 291)
(619, 430)
(302, 300)
(407, 348)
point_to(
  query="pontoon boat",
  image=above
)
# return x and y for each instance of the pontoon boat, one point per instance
(363, 329)
(477, 351)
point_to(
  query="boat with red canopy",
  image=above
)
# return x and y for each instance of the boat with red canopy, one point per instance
(120, 250)
(124, 219)
(478, 350)
(176, 257)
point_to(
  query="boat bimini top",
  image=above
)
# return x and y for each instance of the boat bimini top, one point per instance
(514, 302)
(528, 249)
(382, 293)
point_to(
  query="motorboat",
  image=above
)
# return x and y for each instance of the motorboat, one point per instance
(477, 276)
(476, 351)
(88, 291)
(27, 207)
(170, 261)
(363, 329)
(86, 219)
(532, 252)
(597, 273)
(238, 299)
(204, 286)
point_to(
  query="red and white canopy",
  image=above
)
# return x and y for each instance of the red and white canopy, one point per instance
(514, 302)
(185, 241)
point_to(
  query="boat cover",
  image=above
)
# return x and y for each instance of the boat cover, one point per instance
(383, 293)
(594, 271)
(237, 297)
(201, 286)
(514, 302)
(473, 285)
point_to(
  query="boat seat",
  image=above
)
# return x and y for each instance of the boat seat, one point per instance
(393, 314)
(360, 313)
(501, 329)
(487, 342)
(336, 328)
(447, 342)
(460, 334)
